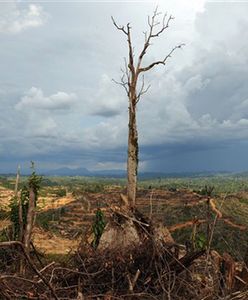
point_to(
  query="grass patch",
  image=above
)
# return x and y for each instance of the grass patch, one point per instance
(3, 214)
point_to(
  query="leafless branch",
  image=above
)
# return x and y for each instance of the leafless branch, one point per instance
(165, 25)
(121, 28)
(131, 51)
(125, 79)
(161, 61)
(143, 89)
(122, 83)
(127, 72)
(152, 23)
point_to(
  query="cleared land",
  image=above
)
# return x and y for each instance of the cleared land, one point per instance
(179, 203)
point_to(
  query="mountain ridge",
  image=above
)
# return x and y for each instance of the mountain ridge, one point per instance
(66, 171)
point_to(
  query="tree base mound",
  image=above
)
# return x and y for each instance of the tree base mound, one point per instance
(129, 229)
(133, 256)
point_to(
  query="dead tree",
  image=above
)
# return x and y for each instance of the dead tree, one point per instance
(33, 187)
(30, 220)
(20, 216)
(17, 180)
(20, 233)
(135, 88)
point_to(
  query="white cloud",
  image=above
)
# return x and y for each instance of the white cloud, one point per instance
(109, 100)
(41, 117)
(14, 18)
(35, 99)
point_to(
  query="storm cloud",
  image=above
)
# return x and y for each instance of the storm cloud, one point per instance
(60, 106)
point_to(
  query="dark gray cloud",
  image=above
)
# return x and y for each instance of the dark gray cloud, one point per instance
(182, 158)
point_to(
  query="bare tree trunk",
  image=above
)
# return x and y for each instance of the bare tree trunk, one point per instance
(20, 233)
(30, 220)
(132, 160)
(17, 195)
(20, 217)
(17, 180)
(21, 229)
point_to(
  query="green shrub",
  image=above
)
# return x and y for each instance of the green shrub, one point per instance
(34, 182)
(98, 227)
(60, 192)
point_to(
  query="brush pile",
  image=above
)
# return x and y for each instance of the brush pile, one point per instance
(132, 259)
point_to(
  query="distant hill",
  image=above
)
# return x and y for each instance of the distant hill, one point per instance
(122, 173)
(68, 172)
(84, 172)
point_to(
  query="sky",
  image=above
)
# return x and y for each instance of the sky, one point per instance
(61, 108)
